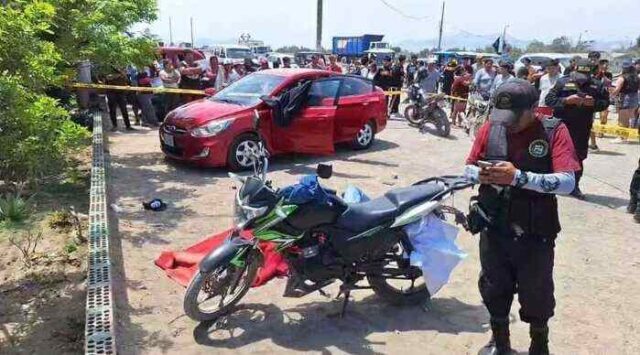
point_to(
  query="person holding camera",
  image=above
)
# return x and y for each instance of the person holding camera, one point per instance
(522, 160)
(575, 99)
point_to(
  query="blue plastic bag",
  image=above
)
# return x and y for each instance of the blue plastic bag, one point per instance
(435, 250)
(306, 190)
(353, 194)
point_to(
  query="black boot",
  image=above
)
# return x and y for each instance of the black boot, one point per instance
(499, 343)
(539, 339)
(633, 204)
(636, 216)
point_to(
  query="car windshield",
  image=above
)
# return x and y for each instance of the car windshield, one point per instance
(240, 53)
(247, 91)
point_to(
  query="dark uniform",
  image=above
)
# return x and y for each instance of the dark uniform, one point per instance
(579, 119)
(634, 194)
(517, 245)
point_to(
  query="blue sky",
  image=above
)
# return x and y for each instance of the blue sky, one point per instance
(280, 22)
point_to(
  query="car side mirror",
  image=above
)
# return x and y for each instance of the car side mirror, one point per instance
(209, 92)
(324, 170)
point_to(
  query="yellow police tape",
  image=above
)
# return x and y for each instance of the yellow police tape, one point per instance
(616, 130)
(158, 90)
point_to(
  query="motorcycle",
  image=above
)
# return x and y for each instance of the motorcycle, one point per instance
(421, 109)
(477, 114)
(322, 239)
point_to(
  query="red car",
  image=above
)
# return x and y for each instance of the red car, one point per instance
(219, 130)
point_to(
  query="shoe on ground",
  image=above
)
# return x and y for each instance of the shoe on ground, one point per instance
(130, 128)
(114, 129)
(577, 193)
(492, 349)
(594, 147)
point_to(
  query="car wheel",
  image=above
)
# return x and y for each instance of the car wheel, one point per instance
(365, 137)
(239, 154)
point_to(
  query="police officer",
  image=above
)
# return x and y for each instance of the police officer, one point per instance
(521, 159)
(574, 99)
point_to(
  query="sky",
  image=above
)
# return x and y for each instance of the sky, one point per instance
(292, 22)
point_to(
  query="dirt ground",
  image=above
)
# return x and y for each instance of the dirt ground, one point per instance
(597, 259)
(42, 307)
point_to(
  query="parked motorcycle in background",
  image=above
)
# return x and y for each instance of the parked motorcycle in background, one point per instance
(476, 115)
(422, 109)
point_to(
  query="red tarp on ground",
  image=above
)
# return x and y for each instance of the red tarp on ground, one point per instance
(182, 265)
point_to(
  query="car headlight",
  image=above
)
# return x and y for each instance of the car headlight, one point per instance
(212, 128)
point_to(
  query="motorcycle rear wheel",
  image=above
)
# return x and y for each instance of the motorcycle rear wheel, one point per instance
(205, 287)
(390, 292)
(412, 114)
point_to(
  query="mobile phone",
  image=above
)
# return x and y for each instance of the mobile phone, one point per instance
(485, 164)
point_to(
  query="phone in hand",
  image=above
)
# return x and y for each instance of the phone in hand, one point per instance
(483, 164)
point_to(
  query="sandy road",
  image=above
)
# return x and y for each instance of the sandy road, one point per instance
(597, 260)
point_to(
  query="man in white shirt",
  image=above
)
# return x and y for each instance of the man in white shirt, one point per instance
(548, 80)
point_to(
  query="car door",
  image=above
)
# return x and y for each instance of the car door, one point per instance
(312, 129)
(354, 107)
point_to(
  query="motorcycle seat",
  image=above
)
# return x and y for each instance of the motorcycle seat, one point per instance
(360, 217)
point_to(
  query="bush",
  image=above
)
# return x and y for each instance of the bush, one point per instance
(27, 243)
(60, 220)
(36, 135)
(13, 209)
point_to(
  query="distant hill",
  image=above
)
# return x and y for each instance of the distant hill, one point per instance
(471, 41)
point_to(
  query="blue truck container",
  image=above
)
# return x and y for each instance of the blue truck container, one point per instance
(353, 46)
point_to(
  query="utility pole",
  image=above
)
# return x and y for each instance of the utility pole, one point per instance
(319, 27)
(193, 43)
(170, 32)
(440, 32)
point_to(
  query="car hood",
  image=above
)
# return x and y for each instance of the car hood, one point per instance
(202, 111)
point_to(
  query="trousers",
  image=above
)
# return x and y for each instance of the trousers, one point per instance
(115, 100)
(520, 265)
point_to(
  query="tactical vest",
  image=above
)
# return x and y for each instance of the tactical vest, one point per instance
(517, 210)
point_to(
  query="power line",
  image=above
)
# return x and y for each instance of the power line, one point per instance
(401, 13)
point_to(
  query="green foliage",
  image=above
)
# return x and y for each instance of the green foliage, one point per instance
(558, 45)
(41, 41)
(292, 49)
(14, 209)
(70, 247)
(60, 220)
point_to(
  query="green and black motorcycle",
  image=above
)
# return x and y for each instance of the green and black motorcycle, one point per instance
(323, 240)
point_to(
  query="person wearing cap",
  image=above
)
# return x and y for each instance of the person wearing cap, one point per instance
(574, 99)
(383, 77)
(448, 75)
(483, 78)
(504, 75)
(521, 160)
(229, 75)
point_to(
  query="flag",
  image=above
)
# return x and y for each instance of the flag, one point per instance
(496, 45)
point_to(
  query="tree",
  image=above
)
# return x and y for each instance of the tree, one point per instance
(41, 43)
(561, 45)
(292, 49)
(536, 46)
(638, 42)
(396, 49)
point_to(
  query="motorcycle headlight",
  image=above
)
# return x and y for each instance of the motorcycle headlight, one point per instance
(242, 213)
(212, 128)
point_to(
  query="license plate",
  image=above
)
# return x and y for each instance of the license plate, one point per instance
(168, 139)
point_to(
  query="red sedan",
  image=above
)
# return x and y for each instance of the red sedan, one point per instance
(219, 130)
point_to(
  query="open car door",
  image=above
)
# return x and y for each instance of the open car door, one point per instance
(312, 129)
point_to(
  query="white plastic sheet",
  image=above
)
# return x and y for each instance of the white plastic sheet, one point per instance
(435, 250)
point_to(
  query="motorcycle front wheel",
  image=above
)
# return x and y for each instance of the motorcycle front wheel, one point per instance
(398, 282)
(215, 293)
(438, 117)
(412, 114)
